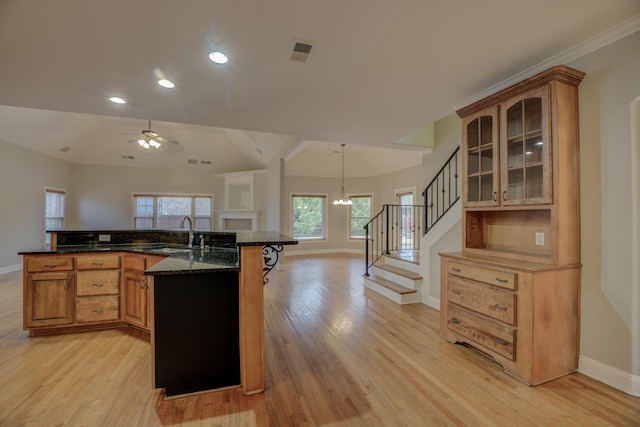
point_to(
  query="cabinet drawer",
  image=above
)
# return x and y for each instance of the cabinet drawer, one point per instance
(98, 262)
(487, 333)
(97, 309)
(50, 263)
(486, 300)
(135, 263)
(98, 282)
(488, 275)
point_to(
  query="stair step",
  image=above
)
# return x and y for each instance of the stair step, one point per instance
(412, 256)
(399, 289)
(399, 271)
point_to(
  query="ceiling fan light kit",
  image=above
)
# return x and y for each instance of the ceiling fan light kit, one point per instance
(150, 138)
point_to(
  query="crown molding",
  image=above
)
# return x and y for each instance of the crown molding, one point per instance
(591, 44)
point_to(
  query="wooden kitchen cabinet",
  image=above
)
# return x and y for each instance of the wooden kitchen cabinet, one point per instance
(135, 300)
(48, 299)
(513, 291)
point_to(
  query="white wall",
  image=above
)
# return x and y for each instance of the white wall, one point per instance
(24, 174)
(102, 194)
(608, 306)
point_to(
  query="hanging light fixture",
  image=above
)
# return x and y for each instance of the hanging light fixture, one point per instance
(342, 200)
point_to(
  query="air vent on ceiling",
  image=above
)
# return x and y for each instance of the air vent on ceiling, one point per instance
(65, 149)
(300, 51)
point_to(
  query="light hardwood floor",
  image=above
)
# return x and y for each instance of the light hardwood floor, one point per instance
(335, 355)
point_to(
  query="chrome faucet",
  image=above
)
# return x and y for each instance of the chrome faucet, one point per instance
(190, 229)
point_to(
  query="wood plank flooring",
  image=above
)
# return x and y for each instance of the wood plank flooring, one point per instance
(335, 356)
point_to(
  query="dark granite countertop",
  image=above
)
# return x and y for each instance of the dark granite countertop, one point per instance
(179, 258)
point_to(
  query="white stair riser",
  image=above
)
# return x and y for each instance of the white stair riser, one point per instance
(393, 296)
(415, 268)
(395, 278)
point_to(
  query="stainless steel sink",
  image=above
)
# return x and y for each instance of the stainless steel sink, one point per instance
(170, 250)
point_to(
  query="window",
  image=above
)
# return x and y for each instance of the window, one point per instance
(308, 217)
(163, 212)
(359, 215)
(54, 212)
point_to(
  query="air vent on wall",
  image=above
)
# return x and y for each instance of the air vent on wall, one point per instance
(300, 51)
(128, 157)
(205, 162)
(65, 149)
(192, 161)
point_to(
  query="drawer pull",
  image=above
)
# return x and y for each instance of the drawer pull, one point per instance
(502, 280)
(68, 281)
(500, 341)
(51, 265)
(98, 263)
(501, 307)
(142, 283)
(457, 270)
(455, 291)
(454, 320)
(97, 284)
(97, 310)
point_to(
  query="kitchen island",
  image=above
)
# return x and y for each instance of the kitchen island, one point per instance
(153, 281)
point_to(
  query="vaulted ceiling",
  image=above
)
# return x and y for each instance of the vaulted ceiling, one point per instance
(377, 70)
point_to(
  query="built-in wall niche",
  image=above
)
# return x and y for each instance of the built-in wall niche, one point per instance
(239, 192)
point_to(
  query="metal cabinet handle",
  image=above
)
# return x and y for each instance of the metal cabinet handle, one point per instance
(98, 263)
(454, 320)
(455, 291)
(97, 310)
(495, 196)
(502, 280)
(504, 195)
(68, 281)
(98, 284)
(142, 283)
(51, 265)
(457, 270)
(500, 341)
(501, 307)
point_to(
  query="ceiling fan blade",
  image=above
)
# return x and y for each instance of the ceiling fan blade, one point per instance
(161, 139)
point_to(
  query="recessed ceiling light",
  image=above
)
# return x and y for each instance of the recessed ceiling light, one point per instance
(117, 100)
(218, 57)
(166, 83)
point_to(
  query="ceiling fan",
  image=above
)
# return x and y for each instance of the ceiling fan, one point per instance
(149, 138)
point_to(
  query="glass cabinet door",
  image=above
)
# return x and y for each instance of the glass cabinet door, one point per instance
(525, 150)
(480, 158)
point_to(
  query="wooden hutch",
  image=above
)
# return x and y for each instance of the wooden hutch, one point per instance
(513, 292)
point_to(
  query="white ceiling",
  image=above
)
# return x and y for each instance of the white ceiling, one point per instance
(377, 71)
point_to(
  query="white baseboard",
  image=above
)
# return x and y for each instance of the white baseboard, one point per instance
(610, 376)
(10, 268)
(432, 302)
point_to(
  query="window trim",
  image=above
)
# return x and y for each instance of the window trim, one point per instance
(351, 196)
(325, 216)
(193, 196)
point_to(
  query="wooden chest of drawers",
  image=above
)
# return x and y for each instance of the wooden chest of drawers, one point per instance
(523, 315)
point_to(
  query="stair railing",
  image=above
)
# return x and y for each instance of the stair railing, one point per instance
(394, 228)
(442, 192)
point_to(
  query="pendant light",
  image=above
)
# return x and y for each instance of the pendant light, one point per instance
(342, 200)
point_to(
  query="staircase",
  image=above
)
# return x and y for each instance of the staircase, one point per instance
(392, 250)
(397, 277)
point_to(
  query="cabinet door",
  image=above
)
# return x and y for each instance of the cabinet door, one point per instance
(480, 158)
(525, 149)
(49, 299)
(135, 299)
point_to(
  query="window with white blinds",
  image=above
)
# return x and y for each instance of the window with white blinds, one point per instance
(54, 212)
(164, 212)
